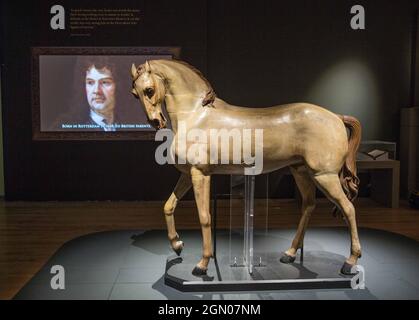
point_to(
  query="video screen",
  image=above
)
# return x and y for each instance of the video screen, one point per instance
(90, 93)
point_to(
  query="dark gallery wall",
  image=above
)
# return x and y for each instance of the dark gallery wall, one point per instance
(255, 53)
(274, 52)
(87, 170)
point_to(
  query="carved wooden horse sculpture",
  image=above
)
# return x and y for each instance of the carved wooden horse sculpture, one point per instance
(311, 140)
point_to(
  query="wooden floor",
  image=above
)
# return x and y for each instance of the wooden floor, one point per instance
(31, 232)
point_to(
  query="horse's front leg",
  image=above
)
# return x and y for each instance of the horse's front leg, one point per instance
(201, 186)
(183, 185)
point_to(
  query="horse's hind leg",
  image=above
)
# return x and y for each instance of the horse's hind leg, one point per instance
(183, 185)
(330, 185)
(307, 190)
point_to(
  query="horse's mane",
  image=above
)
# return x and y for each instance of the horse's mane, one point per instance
(210, 96)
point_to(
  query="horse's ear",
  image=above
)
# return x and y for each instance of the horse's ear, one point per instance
(133, 70)
(147, 67)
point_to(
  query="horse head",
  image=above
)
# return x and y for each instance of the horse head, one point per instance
(149, 88)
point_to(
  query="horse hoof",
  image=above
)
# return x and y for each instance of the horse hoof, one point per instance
(346, 269)
(287, 259)
(178, 250)
(199, 272)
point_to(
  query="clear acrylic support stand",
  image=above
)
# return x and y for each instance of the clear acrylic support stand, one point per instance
(246, 250)
(249, 203)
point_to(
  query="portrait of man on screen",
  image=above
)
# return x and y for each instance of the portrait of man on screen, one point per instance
(100, 94)
(93, 104)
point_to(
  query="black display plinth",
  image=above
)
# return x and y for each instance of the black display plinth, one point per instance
(320, 270)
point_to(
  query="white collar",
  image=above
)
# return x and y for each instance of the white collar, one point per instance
(98, 119)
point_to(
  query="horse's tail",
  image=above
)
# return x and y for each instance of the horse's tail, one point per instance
(348, 174)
